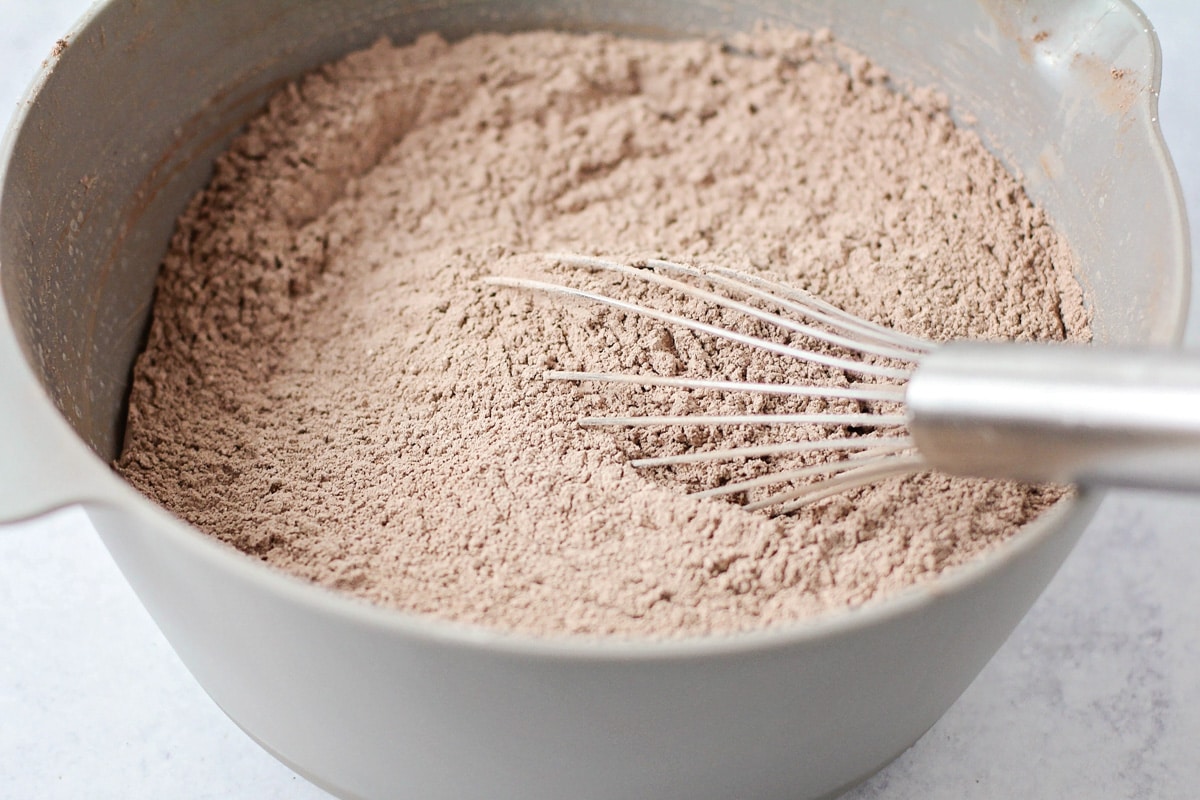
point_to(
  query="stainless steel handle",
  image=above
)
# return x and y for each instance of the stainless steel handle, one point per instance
(1060, 413)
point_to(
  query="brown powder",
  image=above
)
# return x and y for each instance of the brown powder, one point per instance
(328, 386)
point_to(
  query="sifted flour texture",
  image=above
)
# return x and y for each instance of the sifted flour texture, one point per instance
(330, 387)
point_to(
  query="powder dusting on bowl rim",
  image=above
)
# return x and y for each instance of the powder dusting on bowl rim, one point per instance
(1067, 518)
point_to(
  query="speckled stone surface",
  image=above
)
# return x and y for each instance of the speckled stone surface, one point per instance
(1096, 695)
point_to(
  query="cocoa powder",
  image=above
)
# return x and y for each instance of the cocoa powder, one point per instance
(329, 387)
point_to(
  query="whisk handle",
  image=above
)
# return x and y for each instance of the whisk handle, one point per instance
(1059, 413)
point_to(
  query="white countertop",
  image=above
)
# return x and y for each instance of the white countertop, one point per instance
(1096, 695)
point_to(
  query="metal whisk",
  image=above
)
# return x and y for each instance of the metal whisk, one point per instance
(1059, 413)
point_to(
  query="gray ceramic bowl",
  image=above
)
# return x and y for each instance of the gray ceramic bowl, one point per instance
(122, 128)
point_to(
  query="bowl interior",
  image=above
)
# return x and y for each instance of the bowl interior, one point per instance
(123, 129)
(127, 121)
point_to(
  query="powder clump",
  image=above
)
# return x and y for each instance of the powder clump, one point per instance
(329, 387)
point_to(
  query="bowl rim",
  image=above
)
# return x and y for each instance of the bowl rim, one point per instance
(1059, 520)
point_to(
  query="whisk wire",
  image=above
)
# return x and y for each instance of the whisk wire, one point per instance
(856, 461)
(770, 450)
(856, 345)
(802, 302)
(876, 392)
(848, 365)
(867, 420)
(885, 467)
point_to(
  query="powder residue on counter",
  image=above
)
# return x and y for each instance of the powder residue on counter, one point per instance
(329, 386)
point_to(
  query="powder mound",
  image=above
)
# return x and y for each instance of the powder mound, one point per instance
(329, 387)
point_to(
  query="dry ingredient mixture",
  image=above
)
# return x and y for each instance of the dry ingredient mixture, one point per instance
(329, 387)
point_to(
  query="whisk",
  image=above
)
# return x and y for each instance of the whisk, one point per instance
(1033, 412)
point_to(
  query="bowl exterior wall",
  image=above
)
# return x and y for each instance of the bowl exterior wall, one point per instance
(369, 711)
(371, 704)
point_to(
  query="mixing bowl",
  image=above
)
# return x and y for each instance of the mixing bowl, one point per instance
(123, 126)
